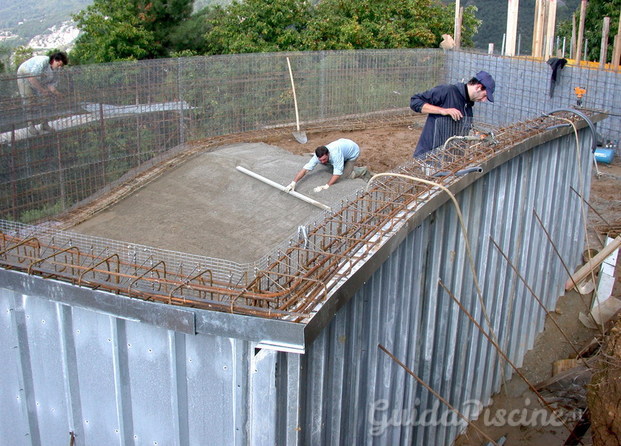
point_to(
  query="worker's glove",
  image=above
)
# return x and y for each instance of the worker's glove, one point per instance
(320, 188)
(290, 187)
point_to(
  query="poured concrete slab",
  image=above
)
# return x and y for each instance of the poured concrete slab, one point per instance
(207, 207)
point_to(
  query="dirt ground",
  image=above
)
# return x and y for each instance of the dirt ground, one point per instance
(386, 147)
(381, 149)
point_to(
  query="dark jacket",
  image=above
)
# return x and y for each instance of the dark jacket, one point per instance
(439, 128)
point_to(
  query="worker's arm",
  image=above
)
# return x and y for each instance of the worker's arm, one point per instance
(297, 178)
(333, 180)
(300, 175)
(37, 85)
(54, 91)
(435, 110)
(431, 101)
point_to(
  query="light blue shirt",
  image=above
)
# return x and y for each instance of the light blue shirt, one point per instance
(40, 67)
(341, 151)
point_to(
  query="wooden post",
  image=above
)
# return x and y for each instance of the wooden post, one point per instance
(538, 28)
(460, 19)
(535, 27)
(616, 53)
(551, 25)
(572, 42)
(543, 42)
(603, 49)
(512, 19)
(457, 27)
(583, 6)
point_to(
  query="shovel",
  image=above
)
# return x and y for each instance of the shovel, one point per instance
(299, 136)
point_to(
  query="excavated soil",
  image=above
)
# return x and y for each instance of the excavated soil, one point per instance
(604, 393)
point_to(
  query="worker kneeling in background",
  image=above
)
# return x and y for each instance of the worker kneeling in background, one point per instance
(341, 154)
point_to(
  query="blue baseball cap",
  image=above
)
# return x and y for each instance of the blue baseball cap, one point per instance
(487, 81)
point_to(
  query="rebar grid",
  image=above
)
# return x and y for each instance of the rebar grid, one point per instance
(290, 284)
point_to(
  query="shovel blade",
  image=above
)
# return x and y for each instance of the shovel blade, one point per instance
(300, 137)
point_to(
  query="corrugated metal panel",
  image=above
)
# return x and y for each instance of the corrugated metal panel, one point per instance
(111, 380)
(357, 395)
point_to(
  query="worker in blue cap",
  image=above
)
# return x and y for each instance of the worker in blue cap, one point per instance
(449, 109)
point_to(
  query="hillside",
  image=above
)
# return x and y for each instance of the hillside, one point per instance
(29, 18)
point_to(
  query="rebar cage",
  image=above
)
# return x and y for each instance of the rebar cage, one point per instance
(293, 281)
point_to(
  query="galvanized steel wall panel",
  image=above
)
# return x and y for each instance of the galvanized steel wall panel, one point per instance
(402, 306)
(111, 380)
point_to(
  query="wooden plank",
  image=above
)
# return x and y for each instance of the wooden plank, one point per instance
(616, 53)
(586, 269)
(603, 49)
(580, 41)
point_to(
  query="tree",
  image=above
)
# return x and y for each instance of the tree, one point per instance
(113, 30)
(595, 12)
(139, 29)
(189, 37)
(21, 54)
(261, 25)
(253, 26)
(5, 58)
(162, 17)
(341, 24)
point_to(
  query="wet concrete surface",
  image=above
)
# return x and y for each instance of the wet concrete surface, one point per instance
(207, 207)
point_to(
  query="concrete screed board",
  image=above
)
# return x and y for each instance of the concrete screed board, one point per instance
(207, 207)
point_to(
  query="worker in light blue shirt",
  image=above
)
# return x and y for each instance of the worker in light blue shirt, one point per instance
(341, 154)
(37, 79)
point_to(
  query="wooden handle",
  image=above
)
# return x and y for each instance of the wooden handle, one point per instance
(295, 100)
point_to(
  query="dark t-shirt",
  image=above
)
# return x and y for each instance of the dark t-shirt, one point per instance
(439, 128)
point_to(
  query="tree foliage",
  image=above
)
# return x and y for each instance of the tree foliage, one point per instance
(254, 26)
(21, 55)
(263, 26)
(593, 23)
(363, 24)
(113, 30)
(140, 29)
(189, 38)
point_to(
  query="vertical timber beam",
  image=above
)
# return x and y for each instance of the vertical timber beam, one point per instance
(616, 53)
(583, 6)
(538, 28)
(603, 49)
(551, 24)
(512, 20)
(457, 26)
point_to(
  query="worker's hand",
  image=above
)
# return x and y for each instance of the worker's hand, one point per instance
(290, 187)
(453, 113)
(320, 188)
